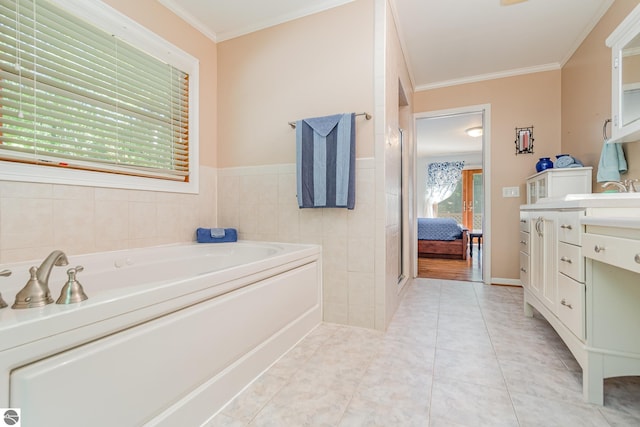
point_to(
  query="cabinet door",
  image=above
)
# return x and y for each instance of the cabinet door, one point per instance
(544, 247)
(532, 192)
(536, 257)
(543, 186)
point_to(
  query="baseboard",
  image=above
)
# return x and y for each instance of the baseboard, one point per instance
(507, 282)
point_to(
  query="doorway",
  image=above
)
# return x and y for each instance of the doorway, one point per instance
(440, 136)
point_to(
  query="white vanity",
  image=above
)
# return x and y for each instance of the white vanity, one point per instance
(580, 268)
(580, 253)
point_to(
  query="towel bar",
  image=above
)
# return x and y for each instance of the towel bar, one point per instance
(365, 114)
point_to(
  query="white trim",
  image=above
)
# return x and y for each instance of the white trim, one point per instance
(217, 37)
(105, 17)
(490, 76)
(486, 174)
(192, 20)
(283, 168)
(624, 27)
(403, 45)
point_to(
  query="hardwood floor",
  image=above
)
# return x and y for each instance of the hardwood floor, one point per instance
(452, 269)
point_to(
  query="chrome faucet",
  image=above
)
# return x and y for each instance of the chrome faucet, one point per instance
(620, 186)
(626, 186)
(55, 258)
(36, 292)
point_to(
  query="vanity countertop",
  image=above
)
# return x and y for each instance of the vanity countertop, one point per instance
(591, 200)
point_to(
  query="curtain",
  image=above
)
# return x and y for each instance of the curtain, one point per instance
(442, 178)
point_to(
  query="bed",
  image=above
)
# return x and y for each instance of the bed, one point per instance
(442, 238)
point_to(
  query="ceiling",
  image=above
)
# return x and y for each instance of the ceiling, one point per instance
(445, 42)
(446, 134)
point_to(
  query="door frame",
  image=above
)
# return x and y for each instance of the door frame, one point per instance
(468, 213)
(485, 109)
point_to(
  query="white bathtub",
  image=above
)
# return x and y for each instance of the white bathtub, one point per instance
(168, 334)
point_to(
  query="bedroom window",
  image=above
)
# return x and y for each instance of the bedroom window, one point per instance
(465, 204)
(110, 103)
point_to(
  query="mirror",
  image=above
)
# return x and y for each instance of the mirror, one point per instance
(625, 79)
(631, 81)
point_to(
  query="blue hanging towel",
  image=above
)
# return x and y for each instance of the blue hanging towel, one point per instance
(612, 163)
(325, 160)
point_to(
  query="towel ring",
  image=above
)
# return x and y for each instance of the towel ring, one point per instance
(604, 129)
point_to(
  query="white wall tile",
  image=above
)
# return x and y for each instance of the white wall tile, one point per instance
(26, 223)
(262, 202)
(25, 190)
(143, 218)
(74, 224)
(361, 253)
(112, 219)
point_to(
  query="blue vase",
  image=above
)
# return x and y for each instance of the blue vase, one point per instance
(544, 163)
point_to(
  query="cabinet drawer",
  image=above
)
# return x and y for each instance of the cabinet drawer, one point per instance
(524, 269)
(524, 242)
(524, 221)
(571, 261)
(569, 227)
(571, 302)
(617, 251)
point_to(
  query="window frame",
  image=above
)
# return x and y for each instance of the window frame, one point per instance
(113, 21)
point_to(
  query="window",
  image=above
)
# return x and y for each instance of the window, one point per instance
(108, 104)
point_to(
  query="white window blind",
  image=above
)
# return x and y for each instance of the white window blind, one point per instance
(74, 96)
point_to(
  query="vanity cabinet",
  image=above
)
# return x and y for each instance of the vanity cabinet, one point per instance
(583, 254)
(612, 250)
(525, 264)
(558, 182)
(625, 79)
(570, 275)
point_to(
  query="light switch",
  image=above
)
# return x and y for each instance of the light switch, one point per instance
(510, 191)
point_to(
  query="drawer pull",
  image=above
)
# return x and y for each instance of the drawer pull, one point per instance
(523, 221)
(524, 270)
(566, 304)
(567, 226)
(565, 259)
(598, 248)
(523, 242)
(637, 258)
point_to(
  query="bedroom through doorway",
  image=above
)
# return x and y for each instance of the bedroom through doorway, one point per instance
(450, 194)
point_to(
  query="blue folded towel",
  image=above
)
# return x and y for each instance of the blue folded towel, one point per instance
(325, 158)
(568, 162)
(612, 163)
(216, 235)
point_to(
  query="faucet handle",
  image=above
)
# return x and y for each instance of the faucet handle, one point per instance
(4, 273)
(72, 291)
(630, 184)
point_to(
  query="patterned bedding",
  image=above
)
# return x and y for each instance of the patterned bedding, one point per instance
(439, 229)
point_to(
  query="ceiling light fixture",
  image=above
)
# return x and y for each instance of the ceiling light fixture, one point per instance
(510, 2)
(474, 131)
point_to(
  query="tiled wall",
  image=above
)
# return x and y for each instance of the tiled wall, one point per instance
(261, 202)
(37, 218)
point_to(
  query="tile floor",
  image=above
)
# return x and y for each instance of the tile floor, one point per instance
(455, 354)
